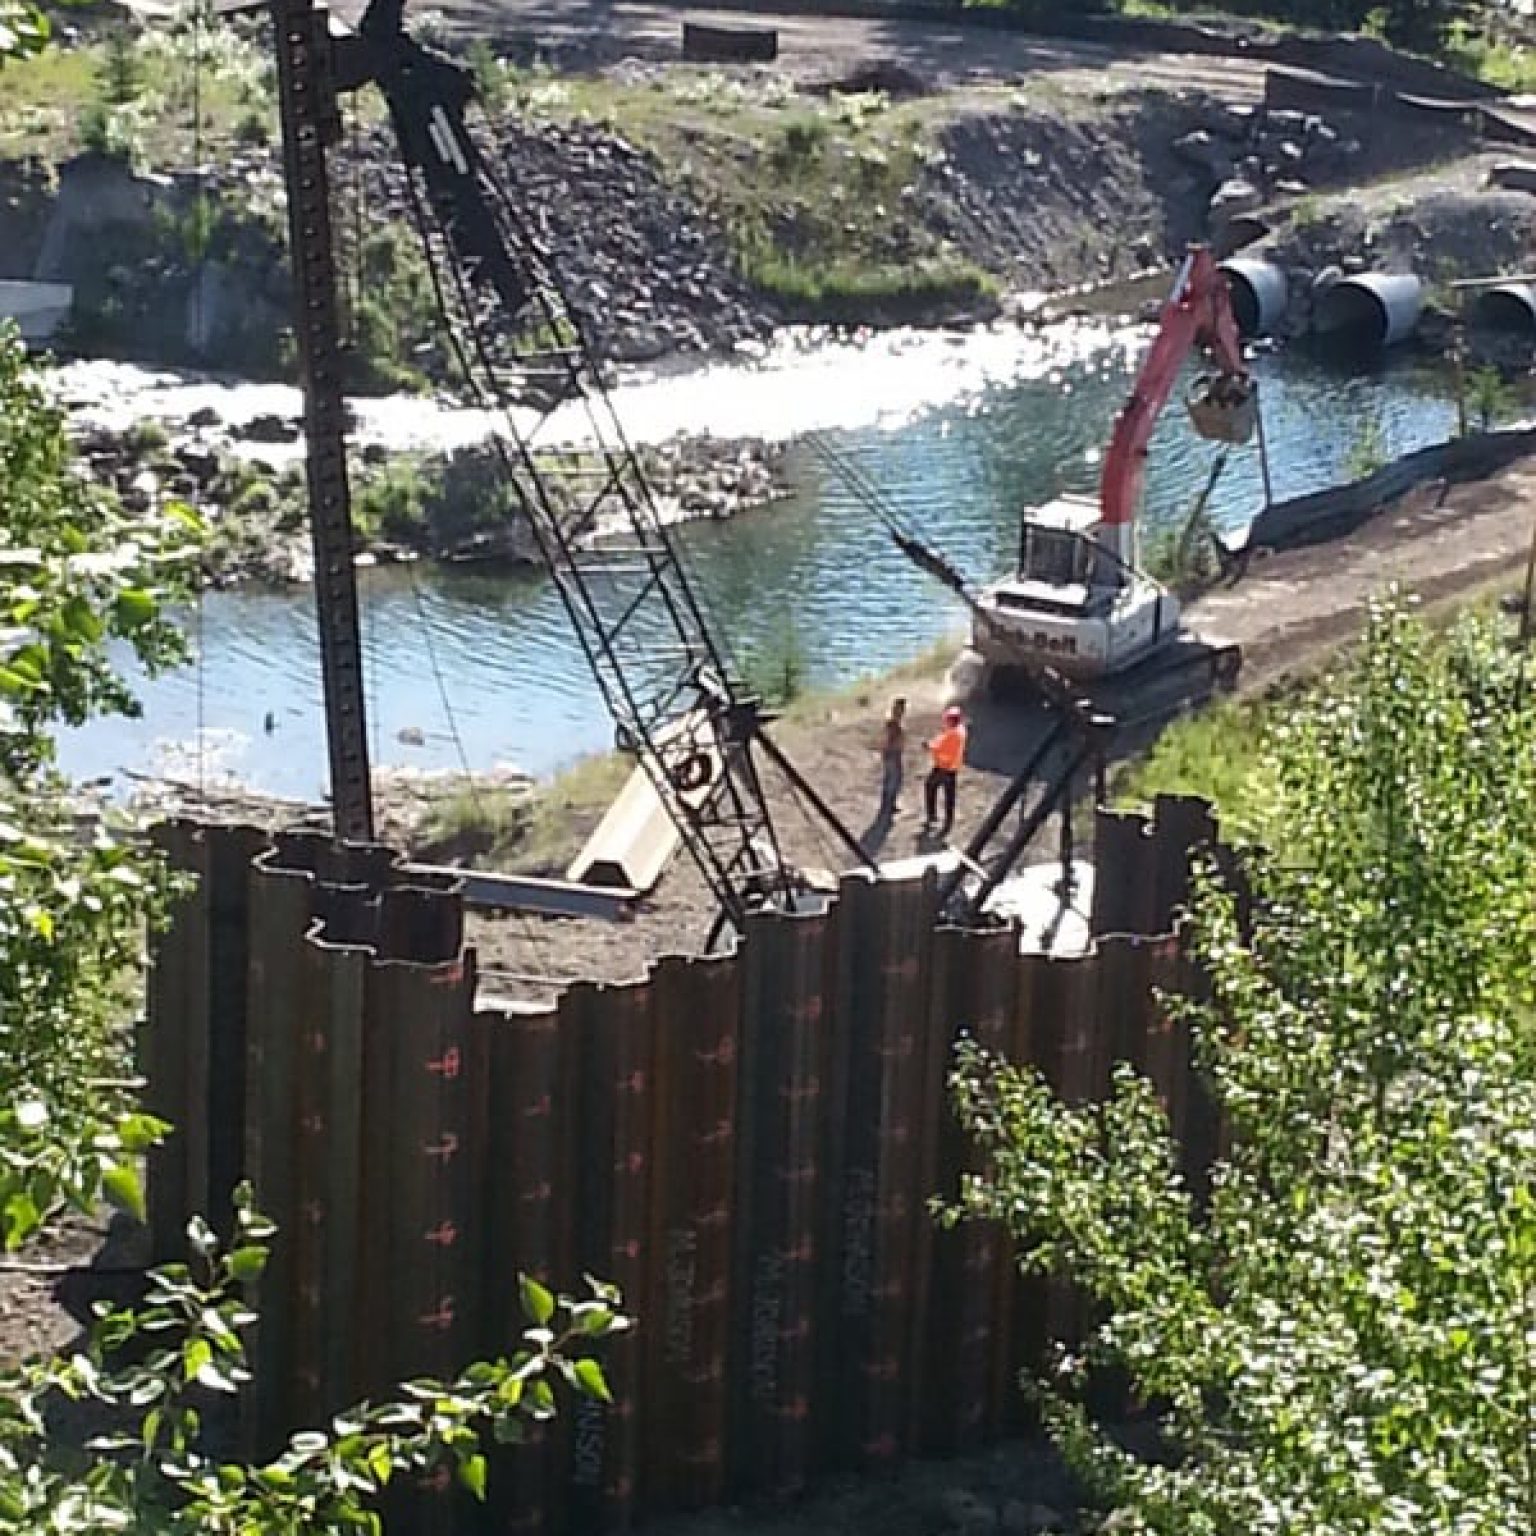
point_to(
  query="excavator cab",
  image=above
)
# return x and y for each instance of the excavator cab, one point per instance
(1224, 407)
(1059, 546)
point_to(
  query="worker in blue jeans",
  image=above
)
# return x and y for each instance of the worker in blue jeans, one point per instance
(893, 747)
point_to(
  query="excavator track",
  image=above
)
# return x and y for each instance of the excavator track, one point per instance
(1184, 672)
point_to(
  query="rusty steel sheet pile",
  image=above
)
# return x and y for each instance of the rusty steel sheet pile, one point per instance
(746, 1144)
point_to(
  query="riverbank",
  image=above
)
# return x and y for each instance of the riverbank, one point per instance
(1446, 224)
(427, 481)
(1292, 613)
(687, 209)
(470, 662)
(1221, 754)
(458, 507)
(1451, 545)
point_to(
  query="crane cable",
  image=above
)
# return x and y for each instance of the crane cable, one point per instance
(199, 235)
(537, 957)
(536, 947)
(869, 495)
(514, 448)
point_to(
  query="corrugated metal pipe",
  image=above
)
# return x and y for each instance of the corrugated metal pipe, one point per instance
(1260, 294)
(1371, 310)
(1511, 307)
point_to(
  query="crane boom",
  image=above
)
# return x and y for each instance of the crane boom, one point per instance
(1197, 313)
(667, 683)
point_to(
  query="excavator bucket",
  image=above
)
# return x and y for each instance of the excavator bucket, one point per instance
(1224, 408)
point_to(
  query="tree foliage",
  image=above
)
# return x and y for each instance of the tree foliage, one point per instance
(82, 581)
(1339, 1336)
(79, 577)
(24, 28)
(155, 1370)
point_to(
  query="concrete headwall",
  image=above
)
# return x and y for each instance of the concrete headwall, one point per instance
(39, 309)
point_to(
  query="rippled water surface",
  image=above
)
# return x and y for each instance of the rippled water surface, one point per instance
(961, 433)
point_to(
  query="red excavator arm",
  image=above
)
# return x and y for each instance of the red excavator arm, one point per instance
(1198, 313)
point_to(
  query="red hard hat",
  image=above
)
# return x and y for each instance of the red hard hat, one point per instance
(952, 716)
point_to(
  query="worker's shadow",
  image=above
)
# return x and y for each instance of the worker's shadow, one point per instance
(875, 836)
(929, 839)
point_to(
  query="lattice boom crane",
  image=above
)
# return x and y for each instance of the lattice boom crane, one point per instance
(666, 681)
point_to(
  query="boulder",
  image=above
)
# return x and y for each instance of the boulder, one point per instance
(1285, 121)
(1200, 150)
(1231, 122)
(269, 428)
(1233, 198)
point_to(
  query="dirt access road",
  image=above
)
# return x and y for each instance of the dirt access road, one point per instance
(598, 32)
(1290, 613)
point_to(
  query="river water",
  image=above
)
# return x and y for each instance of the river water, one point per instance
(478, 667)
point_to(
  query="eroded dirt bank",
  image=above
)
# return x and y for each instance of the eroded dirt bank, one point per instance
(686, 208)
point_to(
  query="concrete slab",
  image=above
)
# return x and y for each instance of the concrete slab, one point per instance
(38, 309)
(1051, 922)
(529, 893)
(943, 861)
(633, 843)
(637, 837)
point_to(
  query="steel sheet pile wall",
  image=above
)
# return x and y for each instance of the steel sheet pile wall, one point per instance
(747, 1145)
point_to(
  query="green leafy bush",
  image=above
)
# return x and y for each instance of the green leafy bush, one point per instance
(117, 132)
(152, 1366)
(1332, 1330)
(120, 72)
(1487, 398)
(79, 578)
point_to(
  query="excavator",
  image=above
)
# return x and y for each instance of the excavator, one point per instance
(1078, 604)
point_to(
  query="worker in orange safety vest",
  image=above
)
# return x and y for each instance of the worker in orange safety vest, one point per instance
(947, 750)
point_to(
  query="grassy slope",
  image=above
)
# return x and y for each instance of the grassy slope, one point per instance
(811, 190)
(1222, 753)
(1218, 754)
(58, 102)
(538, 833)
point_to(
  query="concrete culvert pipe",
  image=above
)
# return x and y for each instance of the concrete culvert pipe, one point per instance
(1373, 310)
(1509, 309)
(1260, 294)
